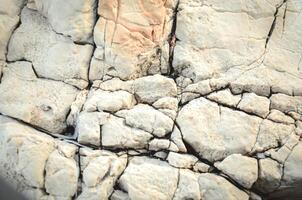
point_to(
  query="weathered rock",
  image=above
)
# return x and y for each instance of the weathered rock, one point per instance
(225, 97)
(181, 160)
(243, 169)
(159, 144)
(280, 117)
(148, 119)
(215, 131)
(116, 134)
(100, 175)
(109, 101)
(160, 178)
(131, 38)
(40, 102)
(254, 104)
(61, 167)
(23, 154)
(76, 21)
(53, 56)
(215, 187)
(286, 104)
(270, 173)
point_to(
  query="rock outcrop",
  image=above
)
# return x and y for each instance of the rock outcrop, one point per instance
(151, 99)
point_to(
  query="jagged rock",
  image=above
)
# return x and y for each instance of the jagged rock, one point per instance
(181, 160)
(159, 144)
(201, 167)
(100, 175)
(53, 56)
(76, 21)
(132, 39)
(270, 173)
(148, 119)
(23, 154)
(76, 108)
(215, 187)
(109, 101)
(286, 104)
(255, 104)
(160, 178)
(116, 134)
(243, 169)
(40, 102)
(214, 131)
(176, 138)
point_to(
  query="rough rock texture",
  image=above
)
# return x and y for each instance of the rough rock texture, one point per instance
(151, 99)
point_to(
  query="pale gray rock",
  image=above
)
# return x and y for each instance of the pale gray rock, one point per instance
(109, 101)
(76, 21)
(40, 102)
(270, 173)
(159, 144)
(176, 138)
(188, 187)
(61, 178)
(181, 160)
(255, 104)
(286, 104)
(201, 167)
(116, 134)
(213, 187)
(151, 88)
(243, 169)
(160, 178)
(272, 134)
(53, 56)
(100, 175)
(225, 97)
(280, 117)
(88, 127)
(216, 131)
(148, 119)
(76, 107)
(23, 154)
(119, 195)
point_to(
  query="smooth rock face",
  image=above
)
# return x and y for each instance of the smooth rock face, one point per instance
(151, 99)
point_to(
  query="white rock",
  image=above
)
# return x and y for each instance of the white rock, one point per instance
(201, 167)
(61, 177)
(188, 187)
(23, 154)
(285, 103)
(76, 21)
(215, 187)
(43, 103)
(255, 104)
(216, 132)
(225, 97)
(166, 103)
(116, 134)
(53, 56)
(109, 101)
(181, 160)
(148, 119)
(160, 178)
(270, 173)
(176, 138)
(243, 169)
(76, 107)
(280, 117)
(151, 88)
(159, 144)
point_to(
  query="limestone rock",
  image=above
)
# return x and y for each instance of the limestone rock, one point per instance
(159, 144)
(280, 117)
(181, 160)
(225, 97)
(215, 187)
(131, 39)
(242, 169)
(215, 131)
(76, 21)
(160, 178)
(40, 102)
(53, 56)
(148, 119)
(116, 134)
(255, 104)
(270, 173)
(286, 104)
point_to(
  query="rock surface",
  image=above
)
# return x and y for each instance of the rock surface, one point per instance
(151, 99)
